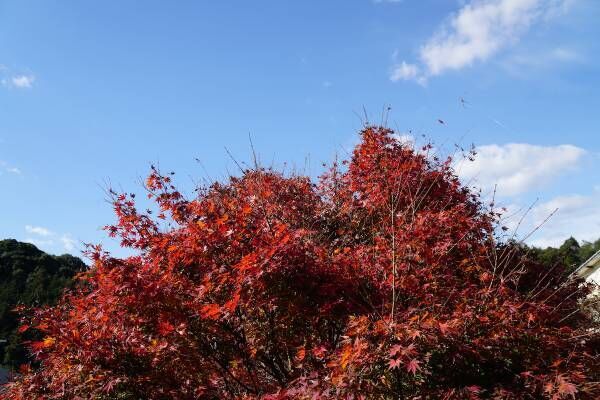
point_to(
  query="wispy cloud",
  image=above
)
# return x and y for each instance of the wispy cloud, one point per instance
(4, 166)
(576, 215)
(19, 81)
(564, 54)
(39, 242)
(15, 79)
(68, 242)
(38, 230)
(14, 170)
(23, 81)
(478, 31)
(518, 167)
(44, 237)
(404, 71)
(523, 62)
(551, 222)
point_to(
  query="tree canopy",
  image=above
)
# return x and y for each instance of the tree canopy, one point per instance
(28, 276)
(384, 280)
(569, 255)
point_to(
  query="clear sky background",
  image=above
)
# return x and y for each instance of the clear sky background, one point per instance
(92, 93)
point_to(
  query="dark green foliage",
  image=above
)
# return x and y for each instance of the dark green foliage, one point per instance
(30, 277)
(569, 255)
(588, 249)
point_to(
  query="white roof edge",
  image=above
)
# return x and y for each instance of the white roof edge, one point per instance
(595, 256)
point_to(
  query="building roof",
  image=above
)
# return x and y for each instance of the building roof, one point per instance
(590, 269)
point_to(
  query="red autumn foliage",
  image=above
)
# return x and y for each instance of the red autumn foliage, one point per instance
(383, 281)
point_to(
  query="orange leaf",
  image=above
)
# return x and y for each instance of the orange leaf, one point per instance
(211, 311)
(231, 305)
(49, 341)
(300, 354)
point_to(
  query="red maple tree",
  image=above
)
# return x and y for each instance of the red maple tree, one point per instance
(385, 280)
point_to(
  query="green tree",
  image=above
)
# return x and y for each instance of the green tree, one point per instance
(588, 249)
(28, 276)
(569, 255)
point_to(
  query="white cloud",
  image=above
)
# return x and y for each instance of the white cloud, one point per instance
(19, 81)
(47, 238)
(564, 54)
(4, 166)
(479, 30)
(39, 242)
(518, 167)
(404, 71)
(38, 230)
(576, 215)
(404, 138)
(523, 62)
(14, 170)
(552, 222)
(68, 242)
(23, 81)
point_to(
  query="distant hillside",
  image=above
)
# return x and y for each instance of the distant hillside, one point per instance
(31, 277)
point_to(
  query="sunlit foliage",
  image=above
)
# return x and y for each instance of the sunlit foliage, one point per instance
(385, 280)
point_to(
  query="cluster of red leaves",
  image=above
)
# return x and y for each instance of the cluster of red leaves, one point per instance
(384, 281)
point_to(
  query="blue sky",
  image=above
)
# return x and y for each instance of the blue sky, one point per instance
(93, 92)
